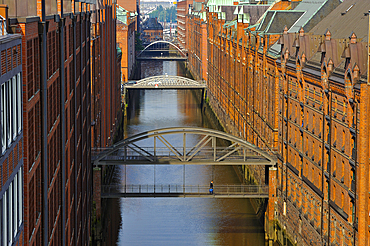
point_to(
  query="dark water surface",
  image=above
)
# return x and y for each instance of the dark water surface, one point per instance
(176, 221)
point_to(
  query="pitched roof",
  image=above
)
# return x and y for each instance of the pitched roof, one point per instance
(314, 12)
(122, 15)
(306, 14)
(275, 21)
(152, 24)
(350, 16)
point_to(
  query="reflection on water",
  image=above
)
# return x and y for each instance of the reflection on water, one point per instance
(178, 221)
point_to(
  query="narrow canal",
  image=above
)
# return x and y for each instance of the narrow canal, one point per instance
(176, 221)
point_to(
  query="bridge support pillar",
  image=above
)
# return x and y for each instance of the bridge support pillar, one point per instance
(202, 100)
(97, 177)
(270, 175)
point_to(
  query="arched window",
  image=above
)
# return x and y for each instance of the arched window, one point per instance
(342, 200)
(352, 211)
(333, 193)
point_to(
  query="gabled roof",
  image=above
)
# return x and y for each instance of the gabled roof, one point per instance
(152, 24)
(350, 16)
(122, 15)
(254, 11)
(275, 21)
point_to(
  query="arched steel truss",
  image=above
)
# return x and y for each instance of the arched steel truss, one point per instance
(168, 82)
(205, 152)
(164, 42)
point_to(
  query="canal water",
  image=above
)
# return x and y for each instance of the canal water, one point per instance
(176, 221)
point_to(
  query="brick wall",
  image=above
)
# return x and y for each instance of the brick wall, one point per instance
(315, 121)
(79, 58)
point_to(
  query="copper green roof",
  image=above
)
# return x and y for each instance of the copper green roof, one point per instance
(122, 15)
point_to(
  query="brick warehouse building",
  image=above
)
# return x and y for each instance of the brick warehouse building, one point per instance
(126, 23)
(68, 51)
(298, 86)
(182, 23)
(11, 133)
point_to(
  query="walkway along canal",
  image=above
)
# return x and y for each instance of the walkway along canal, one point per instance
(175, 221)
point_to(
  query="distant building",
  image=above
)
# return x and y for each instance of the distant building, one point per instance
(11, 135)
(182, 23)
(152, 30)
(133, 7)
(126, 22)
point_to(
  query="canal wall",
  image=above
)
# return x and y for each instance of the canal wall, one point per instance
(247, 175)
(256, 175)
(219, 120)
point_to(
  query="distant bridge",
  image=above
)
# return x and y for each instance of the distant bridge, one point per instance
(162, 58)
(160, 50)
(165, 82)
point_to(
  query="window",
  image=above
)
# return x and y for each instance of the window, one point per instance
(11, 111)
(352, 209)
(3, 118)
(14, 107)
(19, 102)
(11, 208)
(4, 222)
(333, 196)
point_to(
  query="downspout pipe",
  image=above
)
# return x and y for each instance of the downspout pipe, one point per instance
(43, 28)
(63, 120)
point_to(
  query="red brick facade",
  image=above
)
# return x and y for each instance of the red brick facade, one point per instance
(182, 23)
(197, 53)
(11, 137)
(90, 65)
(309, 107)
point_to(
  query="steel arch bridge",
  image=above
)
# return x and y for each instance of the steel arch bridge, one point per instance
(162, 42)
(207, 151)
(166, 82)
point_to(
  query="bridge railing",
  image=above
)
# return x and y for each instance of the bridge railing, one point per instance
(258, 190)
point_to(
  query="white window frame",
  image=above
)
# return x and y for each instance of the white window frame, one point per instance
(5, 213)
(20, 194)
(3, 118)
(15, 206)
(14, 107)
(8, 114)
(19, 102)
(11, 211)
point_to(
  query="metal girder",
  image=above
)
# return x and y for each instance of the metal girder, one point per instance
(204, 152)
(161, 42)
(220, 191)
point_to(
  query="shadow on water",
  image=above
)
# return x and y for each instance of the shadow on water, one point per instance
(176, 221)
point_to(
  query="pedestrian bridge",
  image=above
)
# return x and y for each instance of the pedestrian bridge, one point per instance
(165, 82)
(220, 191)
(162, 50)
(195, 146)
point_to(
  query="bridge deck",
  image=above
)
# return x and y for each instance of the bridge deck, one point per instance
(160, 86)
(161, 58)
(220, 191)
